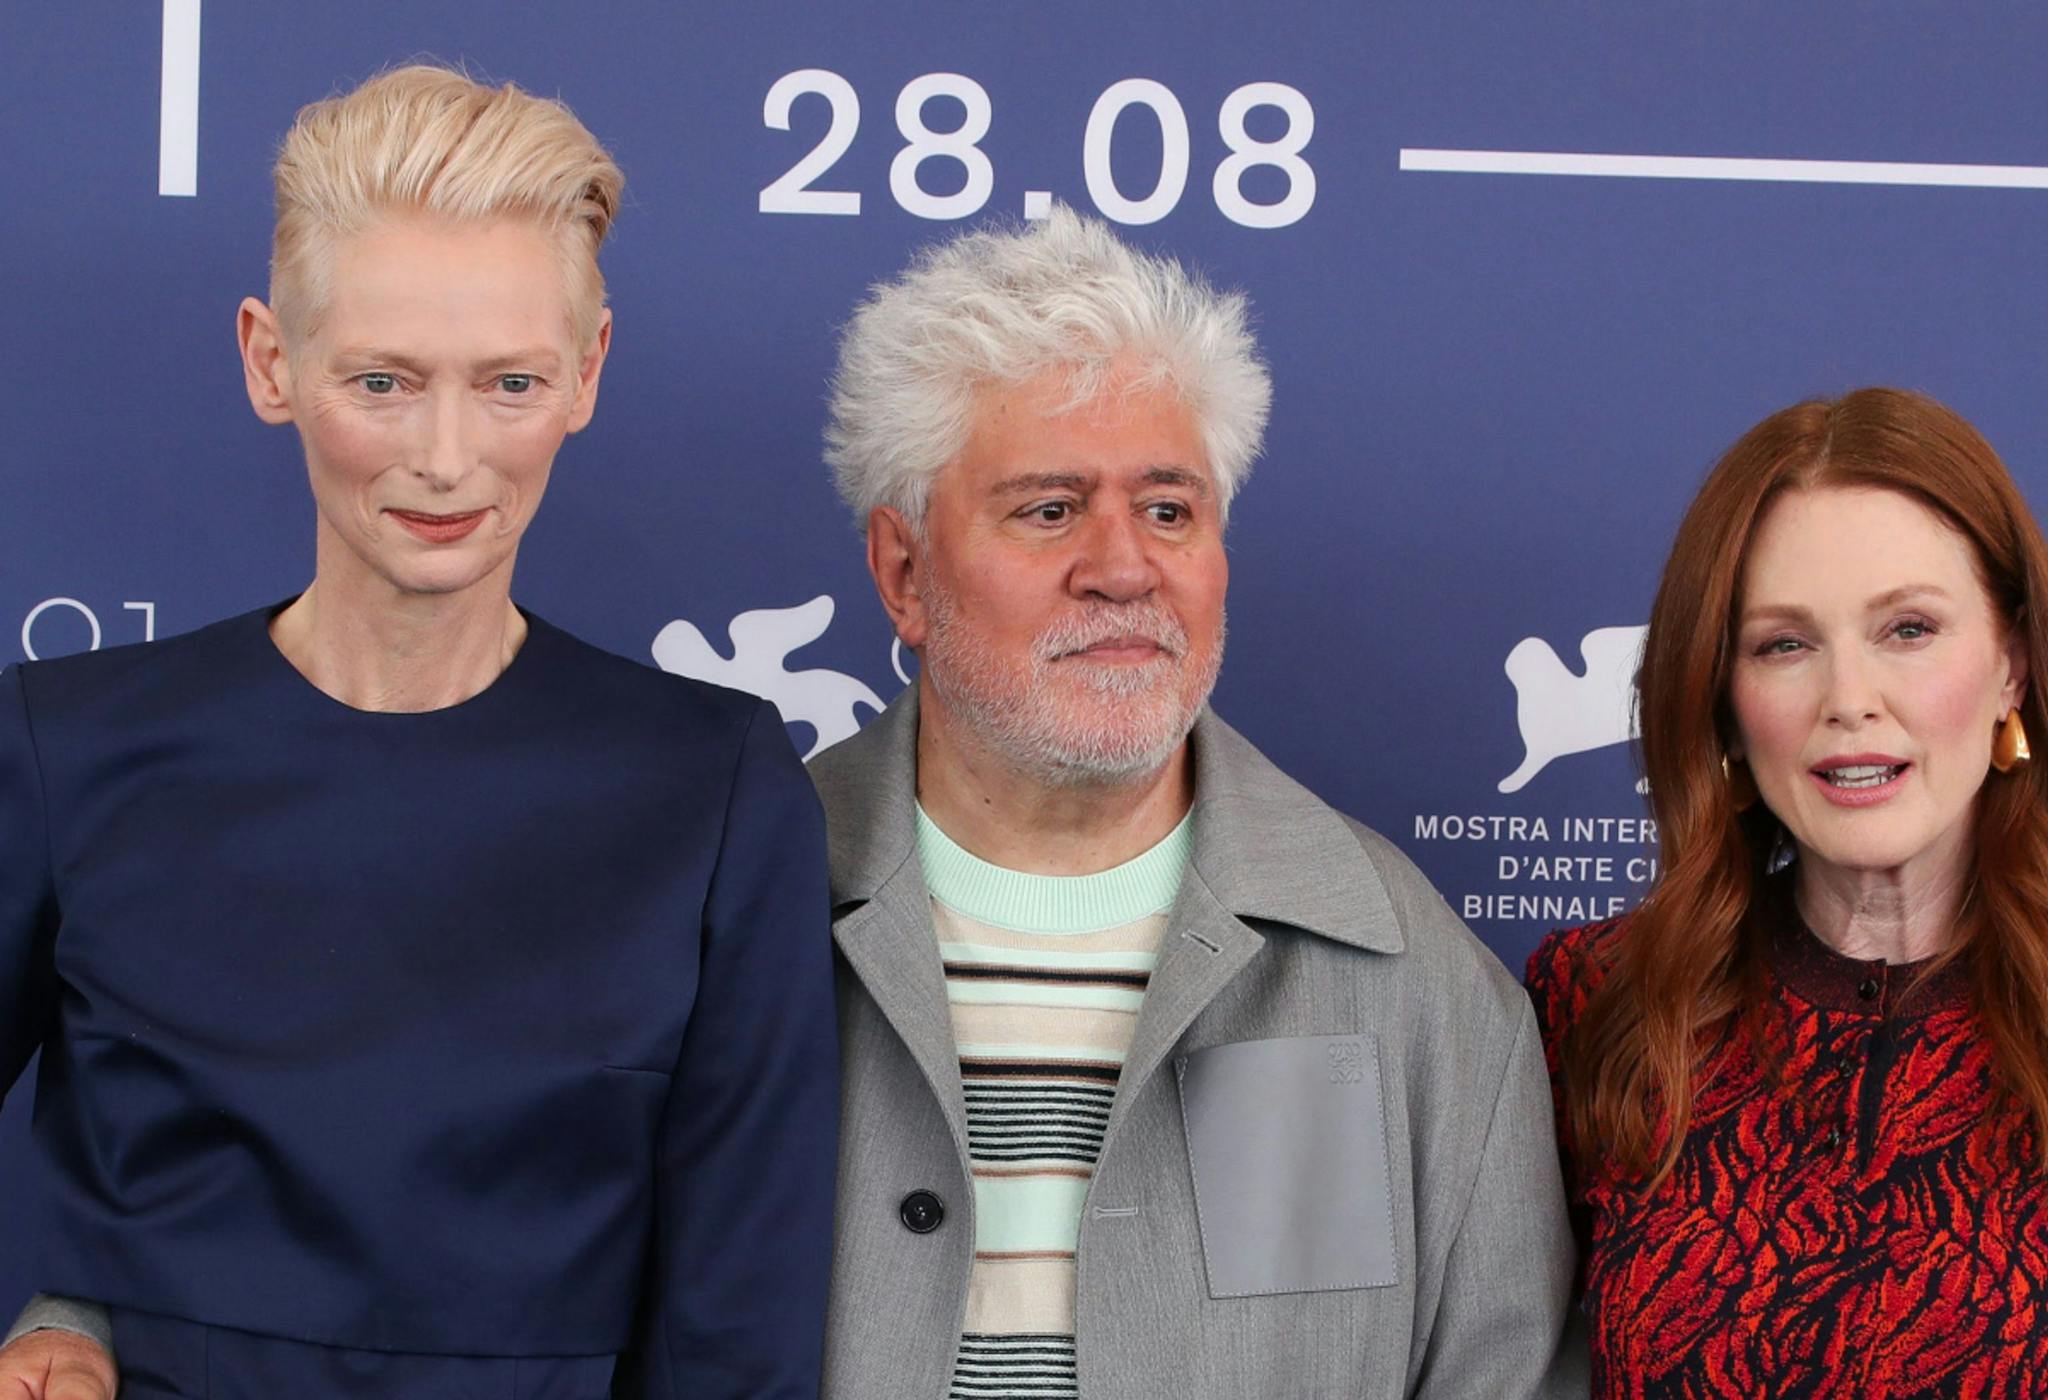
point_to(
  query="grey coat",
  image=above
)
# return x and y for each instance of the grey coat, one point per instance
(1329, 1169)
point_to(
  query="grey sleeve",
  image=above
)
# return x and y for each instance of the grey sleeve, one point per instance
(46, 1311)
(1502, 1327)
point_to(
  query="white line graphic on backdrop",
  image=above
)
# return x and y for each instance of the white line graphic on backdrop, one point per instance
(762, 640)
(1821, 172)
(1560, 713)
(92, 620)
(177, 151)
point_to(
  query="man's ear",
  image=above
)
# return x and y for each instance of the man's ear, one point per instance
(587, 371)
(266, 369)
(897, 562)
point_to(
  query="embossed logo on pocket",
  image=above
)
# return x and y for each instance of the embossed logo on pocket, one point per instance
(1347, 1062)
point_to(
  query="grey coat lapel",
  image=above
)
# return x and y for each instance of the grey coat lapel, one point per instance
(1204, 948)
(881, 911)
(1265, 848)
(890, 945)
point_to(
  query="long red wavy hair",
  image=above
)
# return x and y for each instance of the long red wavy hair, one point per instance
(1689, 966)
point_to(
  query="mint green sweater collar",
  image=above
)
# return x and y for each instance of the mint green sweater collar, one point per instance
(1141, 886)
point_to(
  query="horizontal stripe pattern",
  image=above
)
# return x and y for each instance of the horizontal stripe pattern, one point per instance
(1044, 978)
(1029, 1366)
(995, 1071)
(1060, 957)
(959, 929)
(1022, 1120)
(1098, 998)
(1070, 1034)
(1050, 976)
(1007, 1296)
(986, 1040)
(1036, 1215)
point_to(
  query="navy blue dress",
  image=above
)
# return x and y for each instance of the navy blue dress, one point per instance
(436, 1055)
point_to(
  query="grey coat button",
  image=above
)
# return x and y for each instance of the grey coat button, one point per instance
(921, 1212)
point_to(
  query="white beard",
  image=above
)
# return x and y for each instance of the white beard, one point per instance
(1060, 717)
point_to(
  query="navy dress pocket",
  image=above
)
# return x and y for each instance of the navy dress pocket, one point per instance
(1287, 1142)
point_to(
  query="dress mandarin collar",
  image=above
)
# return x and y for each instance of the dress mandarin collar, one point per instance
(1833, 981)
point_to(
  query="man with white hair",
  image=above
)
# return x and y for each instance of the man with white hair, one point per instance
(1161, 1078)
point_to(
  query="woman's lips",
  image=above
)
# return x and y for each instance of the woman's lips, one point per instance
(439, 529)
(1862, 781)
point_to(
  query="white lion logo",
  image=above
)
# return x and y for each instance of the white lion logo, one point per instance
(1560, 713)
(762, 641)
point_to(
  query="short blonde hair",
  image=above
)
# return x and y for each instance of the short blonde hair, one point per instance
(430, 140)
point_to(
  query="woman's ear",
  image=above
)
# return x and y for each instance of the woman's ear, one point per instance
(266, 369)
(587, 371)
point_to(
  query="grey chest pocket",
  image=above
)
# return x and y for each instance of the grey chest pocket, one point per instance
(1287, 1140)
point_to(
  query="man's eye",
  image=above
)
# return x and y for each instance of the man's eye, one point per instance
(515, 383)
(378, 383)
(1050, 512)
(1168, 512)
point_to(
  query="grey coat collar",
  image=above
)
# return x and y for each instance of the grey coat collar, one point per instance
(1266, 848)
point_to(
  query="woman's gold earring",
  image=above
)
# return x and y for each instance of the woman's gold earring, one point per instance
(2009, 743)
(1741, 785)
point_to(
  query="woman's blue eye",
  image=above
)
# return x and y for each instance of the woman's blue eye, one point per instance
(515, 383)
(379, 383)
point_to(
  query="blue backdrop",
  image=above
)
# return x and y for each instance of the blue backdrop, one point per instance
(1495, 391)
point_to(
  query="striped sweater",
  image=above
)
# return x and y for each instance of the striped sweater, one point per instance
(1044, 977)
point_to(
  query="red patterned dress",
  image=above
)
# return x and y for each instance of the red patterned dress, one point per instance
(1849, 1224)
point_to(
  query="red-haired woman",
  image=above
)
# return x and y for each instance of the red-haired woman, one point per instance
(1803, 1088)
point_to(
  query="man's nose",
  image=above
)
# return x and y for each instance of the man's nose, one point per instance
(1116, 561)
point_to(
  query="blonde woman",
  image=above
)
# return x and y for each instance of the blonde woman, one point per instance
(430, 1004)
